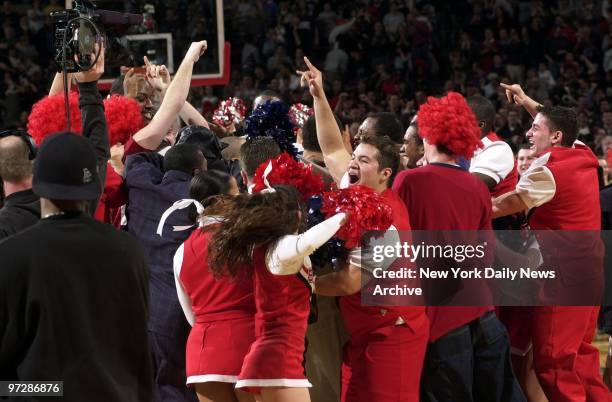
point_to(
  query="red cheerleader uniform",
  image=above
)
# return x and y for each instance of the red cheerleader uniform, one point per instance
(276, 358)
(220, 310)
(384, 357)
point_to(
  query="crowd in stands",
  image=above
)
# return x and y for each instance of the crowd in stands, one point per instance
(377, 55)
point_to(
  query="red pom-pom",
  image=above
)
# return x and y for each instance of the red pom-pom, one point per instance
(367, 210)
(298, 114)
(231, 110)
(449, 121)
(286, 170)
(48, 116)
(123, 118)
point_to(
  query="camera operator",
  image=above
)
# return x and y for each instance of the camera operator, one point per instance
(22, 207)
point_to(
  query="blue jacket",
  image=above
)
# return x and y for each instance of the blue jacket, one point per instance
(151, 192)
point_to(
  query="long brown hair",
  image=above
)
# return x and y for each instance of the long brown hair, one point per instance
(249, 221)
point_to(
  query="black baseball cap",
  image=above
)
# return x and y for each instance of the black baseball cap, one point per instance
(204, 139)
(65, 169)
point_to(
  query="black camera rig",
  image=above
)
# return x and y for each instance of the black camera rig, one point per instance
(77, 30)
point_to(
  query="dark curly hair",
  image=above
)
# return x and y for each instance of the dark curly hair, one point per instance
(250, 221)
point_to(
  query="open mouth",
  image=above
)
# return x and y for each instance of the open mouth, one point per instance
(353, 178)
(532, 148)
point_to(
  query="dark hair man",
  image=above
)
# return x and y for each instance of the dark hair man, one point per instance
(372, 366)
(493, 163)
(154, 183)
(253, 153)
(412, 151)
(380, 124)
(561, 192)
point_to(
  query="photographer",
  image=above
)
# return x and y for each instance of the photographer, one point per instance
(22, 207)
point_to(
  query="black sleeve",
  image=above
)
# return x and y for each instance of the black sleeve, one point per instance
(13, 301)
(94, 127)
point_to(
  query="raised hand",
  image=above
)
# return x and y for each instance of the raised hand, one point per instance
(131, 83)
(313, 78)
(515, 93)
(96, 71)
(196, 50)
(157, 76)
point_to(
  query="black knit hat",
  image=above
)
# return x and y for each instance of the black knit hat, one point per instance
(65, 169)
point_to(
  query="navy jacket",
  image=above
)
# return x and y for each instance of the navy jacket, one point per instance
(151, 192)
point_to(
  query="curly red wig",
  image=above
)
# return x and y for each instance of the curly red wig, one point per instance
(449, 122)
(48, 116)
(123, 118)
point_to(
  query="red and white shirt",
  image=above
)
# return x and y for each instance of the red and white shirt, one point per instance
(562, 189)
(496, 160)
(361, 320)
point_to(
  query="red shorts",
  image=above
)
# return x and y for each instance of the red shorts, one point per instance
(216, 350)
(274, 362)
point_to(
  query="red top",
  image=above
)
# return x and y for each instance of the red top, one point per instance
(213, 299)
(112, 199)
(361, 320)
(575, 205)
(282, 301)
(569, 225)
(132, 147)
(115, 195)
(445, 197)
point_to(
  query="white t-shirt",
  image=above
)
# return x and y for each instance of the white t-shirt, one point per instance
(495, 160)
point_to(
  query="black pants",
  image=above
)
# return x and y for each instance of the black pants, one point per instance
(471, 364)
(169, 366)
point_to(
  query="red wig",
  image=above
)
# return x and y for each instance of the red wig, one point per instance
(449, 122)
(123, 118)
(48, 116)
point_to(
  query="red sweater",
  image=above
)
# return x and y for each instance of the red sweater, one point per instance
(445, 197)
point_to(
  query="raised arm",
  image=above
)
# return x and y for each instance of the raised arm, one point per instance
(57, 87)
(159, 79)
(190, 115)
(335, 155)
(515, 94)
(286, 255)
(92, 116)
(152, 135)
